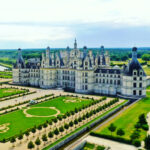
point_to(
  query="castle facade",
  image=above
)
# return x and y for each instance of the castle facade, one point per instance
(82, 72)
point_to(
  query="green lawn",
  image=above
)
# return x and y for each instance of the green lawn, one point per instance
(128, 119)
(147, 70)
(5, 74)
(41, 111)
(19, 122)
(10, 91)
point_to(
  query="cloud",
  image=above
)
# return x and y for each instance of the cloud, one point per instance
(33, 33)
(35, 22)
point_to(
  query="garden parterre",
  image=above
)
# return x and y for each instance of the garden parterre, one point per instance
(20, 123)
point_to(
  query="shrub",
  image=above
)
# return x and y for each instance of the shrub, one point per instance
(145, 127)
(136, 143)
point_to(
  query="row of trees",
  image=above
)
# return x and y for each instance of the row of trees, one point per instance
(66, 126)
(134, 137)
(76, 121)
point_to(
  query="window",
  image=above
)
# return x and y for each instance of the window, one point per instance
(118, 76)
(99, 80)
(103, 80)
(134, 92)
(118, 82)
(86, 87)
(110, 81)
(86, 63)
(134, 73)
(107, 81)
(86, 80)
(115, 82)
(134, 78)
(140, 85)
(134, 85)
(86, 74)
(140, 92)
(140, 78)
(141, 73)
(74, 62)
(82, 87)
(96, 80)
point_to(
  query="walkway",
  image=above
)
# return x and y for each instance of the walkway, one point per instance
(108, 143)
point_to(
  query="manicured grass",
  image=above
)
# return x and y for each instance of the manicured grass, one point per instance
(61, 104)
(89, 146)
(41, 111)
(9, 91)
(19, 122)
(5, 74)
(128, 119)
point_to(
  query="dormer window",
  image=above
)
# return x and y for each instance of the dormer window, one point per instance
(141, 73)
(86, 63)
(134, 72)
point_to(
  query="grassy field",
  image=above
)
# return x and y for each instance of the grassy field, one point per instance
(128, 119)
(9, 91)
(147, 70)
(41, 111)
(6, 74)
(19, 122)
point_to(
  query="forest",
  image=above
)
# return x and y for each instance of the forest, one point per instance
(8, 57)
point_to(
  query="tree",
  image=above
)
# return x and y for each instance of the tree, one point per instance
(137, 125)
(50, 123)
(13, 140)
(55, 120)
(61, 129)
(37, 142)
(135, 135)
(33, 131)
(75, 122)
(147, 142)
(30, 145)
(146, 57)
(112, 128)
(45, 126)
(71, 124)
(20, 137)
(39, 128)
(44, 138)
(120, 132)
(142, 119)
(56, 131)
(27, 134)
(50, 135)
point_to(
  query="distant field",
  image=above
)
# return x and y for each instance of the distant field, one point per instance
(19, 122)
(10, 91)
(128, 119)
(6, 74)
(147, 70)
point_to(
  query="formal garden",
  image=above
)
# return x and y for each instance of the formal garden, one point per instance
(130, 126)
(53, 119)
(6, 74)
(5, 92)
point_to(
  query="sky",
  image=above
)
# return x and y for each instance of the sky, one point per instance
(56, 23)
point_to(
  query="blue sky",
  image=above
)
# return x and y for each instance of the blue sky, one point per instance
(39, 23)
